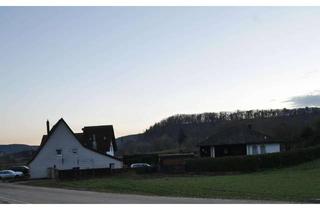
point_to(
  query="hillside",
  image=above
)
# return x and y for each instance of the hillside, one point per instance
(15, 154)
(15, 159)
(15, 148)
(288, 124)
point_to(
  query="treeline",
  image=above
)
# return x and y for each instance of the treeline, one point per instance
(184, 132)
(309, 135)
(213, 118)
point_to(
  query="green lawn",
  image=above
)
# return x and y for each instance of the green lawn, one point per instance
(300, 183)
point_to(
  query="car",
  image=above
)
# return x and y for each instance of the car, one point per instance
(9, 174)
(23, 169)
(140, 165)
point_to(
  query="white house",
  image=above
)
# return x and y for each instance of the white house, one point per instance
(62, 149)
(239, 140)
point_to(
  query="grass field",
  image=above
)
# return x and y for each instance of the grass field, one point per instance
(300, 183)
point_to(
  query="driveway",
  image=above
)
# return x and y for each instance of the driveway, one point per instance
(22, 194)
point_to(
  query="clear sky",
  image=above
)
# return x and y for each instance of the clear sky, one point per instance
(133, 66)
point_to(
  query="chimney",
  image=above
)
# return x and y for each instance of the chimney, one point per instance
(48, 127)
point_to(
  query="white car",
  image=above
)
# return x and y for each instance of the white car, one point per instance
(140, 165)
(9, 174)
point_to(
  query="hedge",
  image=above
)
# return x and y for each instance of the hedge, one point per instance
(86, 173)
(252, 163)
(146, 170)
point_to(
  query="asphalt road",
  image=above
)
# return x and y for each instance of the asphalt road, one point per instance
(22, 194)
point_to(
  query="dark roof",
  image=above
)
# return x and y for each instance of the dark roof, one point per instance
(104, 136)
(77, 136)
(238, 135)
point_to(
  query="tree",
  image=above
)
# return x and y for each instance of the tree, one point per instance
(316, 126)
(307, 132)
(181, 138)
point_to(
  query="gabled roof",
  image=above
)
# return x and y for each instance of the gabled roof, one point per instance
(238, 135)
(45, 139)
(103, 145)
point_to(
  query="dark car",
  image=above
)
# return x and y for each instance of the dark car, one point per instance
(23, 169)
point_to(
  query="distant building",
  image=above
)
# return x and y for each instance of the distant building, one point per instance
(239, 141)
(63, 149)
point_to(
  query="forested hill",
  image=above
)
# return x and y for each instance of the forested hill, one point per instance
(16, 148)
(281, 123)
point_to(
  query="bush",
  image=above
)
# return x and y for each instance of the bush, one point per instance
(146, 170)
(252, 163)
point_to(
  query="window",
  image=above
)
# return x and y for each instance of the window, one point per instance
(75, 151)
(254, 149)
(59, 151)
(262, 149)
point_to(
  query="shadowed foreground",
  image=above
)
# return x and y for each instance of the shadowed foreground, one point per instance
(21, 194)
(295, 184)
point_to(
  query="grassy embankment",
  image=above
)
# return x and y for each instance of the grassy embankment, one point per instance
(300, 183)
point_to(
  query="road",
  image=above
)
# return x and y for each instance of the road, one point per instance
(22, 194)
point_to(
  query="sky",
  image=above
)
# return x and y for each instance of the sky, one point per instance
(134, 66)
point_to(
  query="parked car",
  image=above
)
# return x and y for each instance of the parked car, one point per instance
(140, 165)
(23, 169)
(9, 174)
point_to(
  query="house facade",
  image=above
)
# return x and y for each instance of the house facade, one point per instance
(239, 141)
(62, 149)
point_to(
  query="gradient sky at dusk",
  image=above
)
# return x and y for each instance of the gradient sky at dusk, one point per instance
(133, 66)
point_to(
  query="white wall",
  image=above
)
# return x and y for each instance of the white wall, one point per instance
(63, 139)
(270, 148)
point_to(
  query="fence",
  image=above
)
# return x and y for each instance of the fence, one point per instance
(174, 163)
(86, 173)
